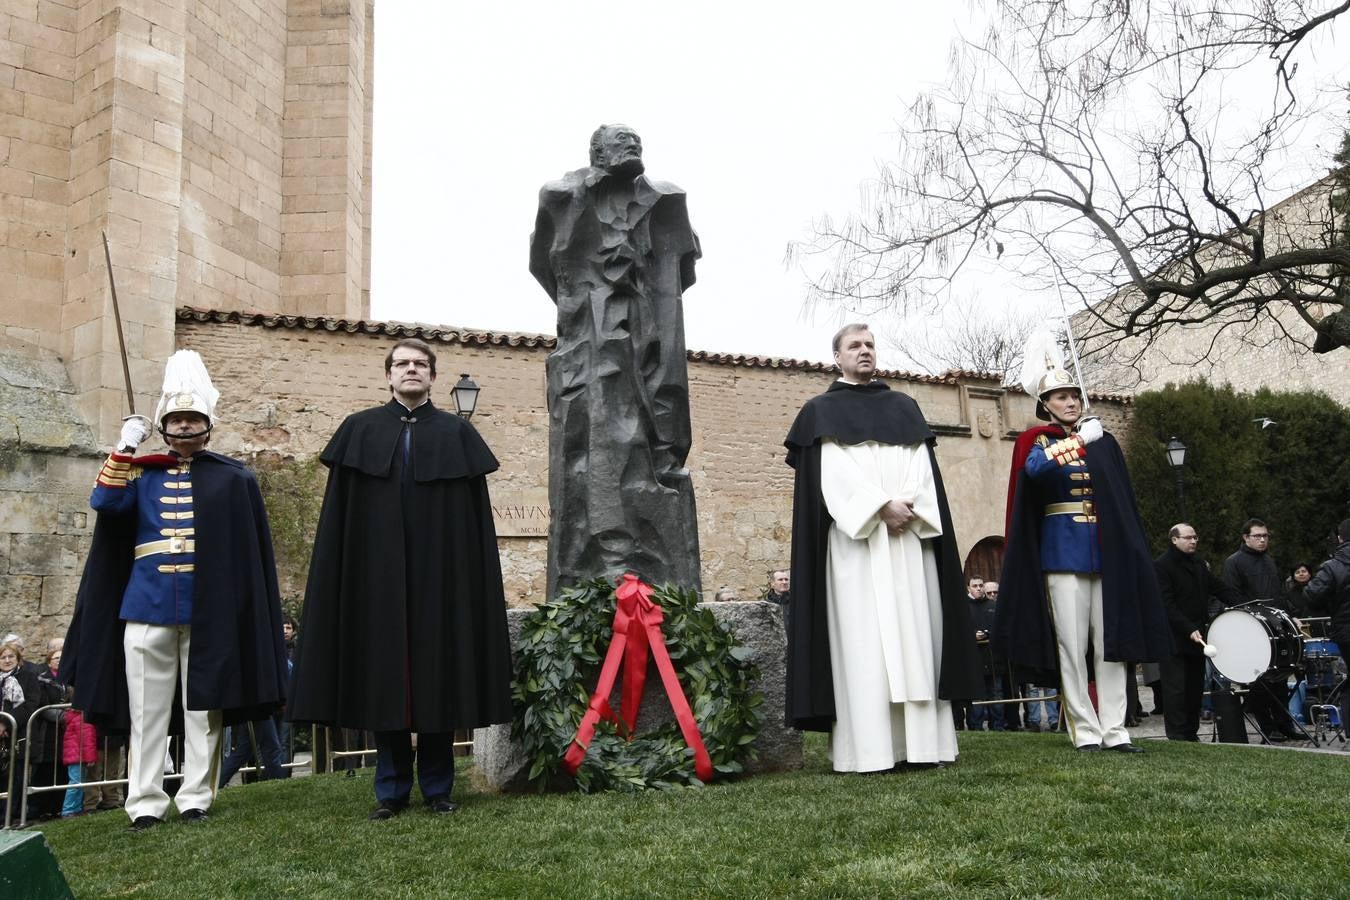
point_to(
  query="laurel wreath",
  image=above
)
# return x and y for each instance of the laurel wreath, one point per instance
(562, 645)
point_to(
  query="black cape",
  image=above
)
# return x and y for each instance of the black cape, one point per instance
(404, 626)
(1134, 621)
(852, 414)
(237, 663)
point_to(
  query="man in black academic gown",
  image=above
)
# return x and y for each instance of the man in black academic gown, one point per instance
(405, 619)
(874, 658)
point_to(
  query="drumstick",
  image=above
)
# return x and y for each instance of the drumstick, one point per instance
(1211, 650)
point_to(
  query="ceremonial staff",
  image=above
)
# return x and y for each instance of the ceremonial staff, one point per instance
(117, 317)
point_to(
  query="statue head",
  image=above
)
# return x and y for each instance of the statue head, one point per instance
(618, 150)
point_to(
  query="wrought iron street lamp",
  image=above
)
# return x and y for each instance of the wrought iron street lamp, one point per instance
(1176, 458)
(465, 393)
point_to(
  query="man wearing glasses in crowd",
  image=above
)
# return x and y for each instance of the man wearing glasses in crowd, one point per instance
(1252, 573)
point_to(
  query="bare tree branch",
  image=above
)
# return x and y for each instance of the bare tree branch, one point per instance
(1087, 142)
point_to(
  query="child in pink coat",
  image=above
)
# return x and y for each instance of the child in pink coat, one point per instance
(79, 746)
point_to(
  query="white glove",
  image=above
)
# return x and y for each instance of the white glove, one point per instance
(134, 430)
(1090, 429)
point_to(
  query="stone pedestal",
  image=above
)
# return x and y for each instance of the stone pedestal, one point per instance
(757, 624)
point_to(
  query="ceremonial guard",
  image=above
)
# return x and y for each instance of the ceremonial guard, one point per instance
(1077, 575)
(179, 597)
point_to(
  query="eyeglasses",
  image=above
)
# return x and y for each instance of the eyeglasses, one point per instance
(1259, 537)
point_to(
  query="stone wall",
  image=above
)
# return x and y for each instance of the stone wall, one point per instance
(48, 463)
(287, 383)
(222, 145)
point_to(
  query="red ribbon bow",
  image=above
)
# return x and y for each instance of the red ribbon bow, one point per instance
(637, 630)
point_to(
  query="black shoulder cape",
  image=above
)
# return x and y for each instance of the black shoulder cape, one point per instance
(404, 626)
(1134, 621)
(237, 663)
(852, 414)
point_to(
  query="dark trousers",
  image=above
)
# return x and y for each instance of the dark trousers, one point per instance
(1183, 687)
(269, 747)
(1268, 703)
(394, 766)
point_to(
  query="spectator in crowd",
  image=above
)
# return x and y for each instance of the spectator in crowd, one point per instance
(1252, 573)
(725, 594)
(1042, 698)
(263, 732)
(286, 731)
(981, 717)
(1296, 599)
(289, 631)
(20, 694)
(1189, 591)
(1004, 684)
(780, 582)
(963, 711)
(1331, 587)
(79, 748)
(44, 753)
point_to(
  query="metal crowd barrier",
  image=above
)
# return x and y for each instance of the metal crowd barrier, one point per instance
(463, 740)
(11, 747)
(175, 748)
(10, 757)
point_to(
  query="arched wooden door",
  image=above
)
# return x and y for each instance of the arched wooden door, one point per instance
(985, 559)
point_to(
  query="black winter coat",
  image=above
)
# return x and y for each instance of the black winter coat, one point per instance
(1254, 576)
(1331, 587)
(1187, 586)
(404, 627)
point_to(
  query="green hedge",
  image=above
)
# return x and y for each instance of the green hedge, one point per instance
(1294, 474)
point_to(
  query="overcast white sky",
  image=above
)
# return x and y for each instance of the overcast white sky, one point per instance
(769, 116)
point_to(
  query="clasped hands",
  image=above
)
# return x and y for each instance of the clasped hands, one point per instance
(896, 515)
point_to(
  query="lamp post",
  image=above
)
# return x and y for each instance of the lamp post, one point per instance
(465, 393)
(1176, 458)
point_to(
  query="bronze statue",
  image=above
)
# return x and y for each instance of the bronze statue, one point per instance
(615, 251)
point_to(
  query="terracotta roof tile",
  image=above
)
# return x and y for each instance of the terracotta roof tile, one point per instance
(448, 335)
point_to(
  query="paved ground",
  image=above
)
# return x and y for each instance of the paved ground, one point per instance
(1151, 728)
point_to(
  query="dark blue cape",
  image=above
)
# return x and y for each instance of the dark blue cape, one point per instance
(238, 661)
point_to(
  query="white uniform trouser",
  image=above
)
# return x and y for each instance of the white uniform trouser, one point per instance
(1076, 606)
(157, 655)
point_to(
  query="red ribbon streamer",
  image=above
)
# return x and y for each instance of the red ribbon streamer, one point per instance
(637, 631)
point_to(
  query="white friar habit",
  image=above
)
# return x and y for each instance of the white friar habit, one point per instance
(879, 633)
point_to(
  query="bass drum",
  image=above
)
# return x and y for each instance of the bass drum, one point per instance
(1252, 641)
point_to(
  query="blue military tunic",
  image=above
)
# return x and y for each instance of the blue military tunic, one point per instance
(159, 591)
(1069, 541)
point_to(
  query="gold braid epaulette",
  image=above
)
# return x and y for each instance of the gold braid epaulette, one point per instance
(1065, 451)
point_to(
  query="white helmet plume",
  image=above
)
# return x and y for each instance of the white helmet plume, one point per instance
(187, 388)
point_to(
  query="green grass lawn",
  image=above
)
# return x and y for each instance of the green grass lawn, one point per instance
(1019, 815)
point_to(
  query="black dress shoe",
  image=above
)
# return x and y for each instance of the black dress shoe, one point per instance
(441, 805)
(385, 810)
(1087, 748)
(193, 815)
(141, 823)
(1126, 748)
